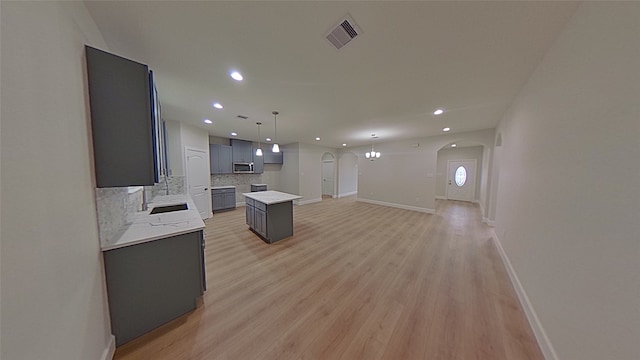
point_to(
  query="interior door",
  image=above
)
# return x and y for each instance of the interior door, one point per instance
(198, 180)
(461, 180)
(327, 177)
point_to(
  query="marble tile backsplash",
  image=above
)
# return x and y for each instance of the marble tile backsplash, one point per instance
(114, 205)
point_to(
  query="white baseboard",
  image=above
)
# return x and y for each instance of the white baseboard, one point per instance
(110, 350)
(489, 222)
(399, 206)
(334, 196)
(541, 336)
(441, 197)
(242, 203)
(347, 194)
(310, 201)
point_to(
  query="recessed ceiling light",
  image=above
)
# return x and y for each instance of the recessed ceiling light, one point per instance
(438, 112)
(268, 139)
(234, 133)
(217, 105)
(236, 76)
(317, 139)
(446, 129)
(453, 145)
(207, 121)
(344, 144)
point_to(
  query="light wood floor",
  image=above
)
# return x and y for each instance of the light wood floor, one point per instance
(356, 281)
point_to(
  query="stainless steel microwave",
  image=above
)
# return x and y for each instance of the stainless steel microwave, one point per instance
(242, 168)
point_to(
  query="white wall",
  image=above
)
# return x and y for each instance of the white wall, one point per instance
(347, 174)
(290, 170)
(569, 189)
(462, 153)
(405, 175)
(54, 303)
(311, 171)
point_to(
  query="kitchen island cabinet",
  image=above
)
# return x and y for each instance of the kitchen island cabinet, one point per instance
(269, 214)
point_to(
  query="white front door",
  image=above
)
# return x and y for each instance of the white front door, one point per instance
(327, 177)
(461, 180)
(198, 180)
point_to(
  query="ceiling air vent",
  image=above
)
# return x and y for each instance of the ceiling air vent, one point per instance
(343, 33)
(242, 117)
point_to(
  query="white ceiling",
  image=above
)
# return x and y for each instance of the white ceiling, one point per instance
(470, 58)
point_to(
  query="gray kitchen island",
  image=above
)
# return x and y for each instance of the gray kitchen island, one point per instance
(269, 214)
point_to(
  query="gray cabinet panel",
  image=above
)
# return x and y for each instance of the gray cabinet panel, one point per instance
(220, 159)
(258, 163)
(241, 151)
(121, 120)
(223, 199)
(152, 283)
(272, 158)
(225, 160)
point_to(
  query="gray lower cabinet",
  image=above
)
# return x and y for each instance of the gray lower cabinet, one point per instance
(223, 199)
(152, 283)
(271, 222)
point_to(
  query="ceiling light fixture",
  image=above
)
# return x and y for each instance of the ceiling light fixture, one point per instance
(446, 129)
(268, 139)
(372, 154)
(453, 145)
(259, 149)
(234, 133)
(207, 121)
(236, 76)
(438, 112)
(317, 139)
(276, 147)
(344, 144)
(217, 105)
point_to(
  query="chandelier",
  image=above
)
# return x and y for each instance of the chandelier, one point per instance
(372, 155)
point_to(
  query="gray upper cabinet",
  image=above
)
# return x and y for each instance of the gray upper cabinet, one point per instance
(258, 162)
(121, 120)
(271, 157)
(242, 151)
(220, 159)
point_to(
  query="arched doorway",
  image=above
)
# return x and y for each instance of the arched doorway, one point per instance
(328, 175)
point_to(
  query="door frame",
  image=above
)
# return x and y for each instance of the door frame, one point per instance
(186, 175)
(324, 160)
(475, 175)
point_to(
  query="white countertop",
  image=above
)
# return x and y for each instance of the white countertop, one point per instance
(223, 187)
(142, 227)
(271, 197)
(258, 184)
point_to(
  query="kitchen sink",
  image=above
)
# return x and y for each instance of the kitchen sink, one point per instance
(169, 208)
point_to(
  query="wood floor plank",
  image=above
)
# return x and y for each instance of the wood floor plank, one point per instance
(356, 281)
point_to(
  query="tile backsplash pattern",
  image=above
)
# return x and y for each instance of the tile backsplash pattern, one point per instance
(114, 205)
(242, 182)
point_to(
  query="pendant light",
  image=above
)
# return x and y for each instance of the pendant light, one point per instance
(372, 155)
(259, 149)
(276, 147)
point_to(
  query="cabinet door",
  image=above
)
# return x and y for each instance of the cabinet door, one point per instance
(241, 151)
(214, 158)
(272, 158)
(261, 222)
(249, 213)
(230, 200)
(120, 101)
(217, 201)
(258, 162)
(224, 160)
